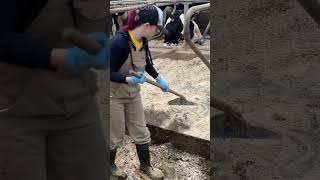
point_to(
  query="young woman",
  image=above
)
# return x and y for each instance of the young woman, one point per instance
(129, 51)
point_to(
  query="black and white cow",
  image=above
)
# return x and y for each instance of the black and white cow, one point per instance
(175, 29)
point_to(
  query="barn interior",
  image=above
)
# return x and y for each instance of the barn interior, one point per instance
(180, 133)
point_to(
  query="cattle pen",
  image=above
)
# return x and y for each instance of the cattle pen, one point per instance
(180, 134)
(125, 5)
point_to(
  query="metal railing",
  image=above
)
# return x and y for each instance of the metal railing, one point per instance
(214, 102)
(123, 6)
(186, 34)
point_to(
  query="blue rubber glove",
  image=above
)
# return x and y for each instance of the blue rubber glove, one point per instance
(80, 59)
(162, 83)
(134, 80)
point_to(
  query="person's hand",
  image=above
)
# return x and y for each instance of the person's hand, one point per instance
(134, 80)
(80, 59)
(163, 83)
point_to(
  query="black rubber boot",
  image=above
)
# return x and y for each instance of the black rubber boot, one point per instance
(115, 171)
(145, 164)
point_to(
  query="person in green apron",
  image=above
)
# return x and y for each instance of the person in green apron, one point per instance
(49, 123)
(129, 51)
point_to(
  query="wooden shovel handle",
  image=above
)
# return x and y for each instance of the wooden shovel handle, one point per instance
(133, 73)
(80, 40)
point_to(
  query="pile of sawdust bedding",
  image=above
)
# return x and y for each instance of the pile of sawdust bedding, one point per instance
(190, 78)
(175, 163)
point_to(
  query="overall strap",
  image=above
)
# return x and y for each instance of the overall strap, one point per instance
(125, 34)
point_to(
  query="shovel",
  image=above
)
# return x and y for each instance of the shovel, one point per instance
(80, 40)
(178, 101)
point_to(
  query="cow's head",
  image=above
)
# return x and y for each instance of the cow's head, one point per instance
(174, 28)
